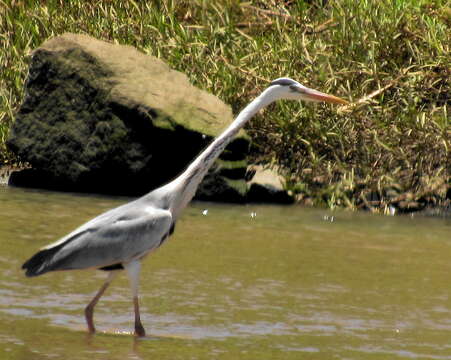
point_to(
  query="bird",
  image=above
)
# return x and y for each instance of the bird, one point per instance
(120, 238)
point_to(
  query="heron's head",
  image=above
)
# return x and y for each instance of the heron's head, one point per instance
(286, 88)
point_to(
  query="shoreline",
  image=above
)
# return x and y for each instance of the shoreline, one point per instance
(440, 210)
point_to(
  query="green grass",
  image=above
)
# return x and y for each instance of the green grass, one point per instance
(393, 149)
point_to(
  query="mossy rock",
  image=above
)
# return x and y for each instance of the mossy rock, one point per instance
(106, 118)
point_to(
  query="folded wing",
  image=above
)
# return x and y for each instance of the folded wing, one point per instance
(112, 238)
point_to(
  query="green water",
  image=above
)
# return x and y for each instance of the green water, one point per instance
(241, 282)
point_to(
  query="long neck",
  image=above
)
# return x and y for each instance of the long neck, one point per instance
(182, 189)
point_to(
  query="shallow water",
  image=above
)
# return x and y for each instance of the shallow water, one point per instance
(234, 282)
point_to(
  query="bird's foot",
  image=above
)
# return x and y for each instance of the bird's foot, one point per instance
(139, 330)
(89, 320)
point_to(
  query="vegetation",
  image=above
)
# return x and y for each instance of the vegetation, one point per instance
(391, 57)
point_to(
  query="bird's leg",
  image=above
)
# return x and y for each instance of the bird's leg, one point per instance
(139, 328)
(89, 309)
(133, 269)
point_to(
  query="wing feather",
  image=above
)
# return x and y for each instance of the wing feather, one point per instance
(113, 237)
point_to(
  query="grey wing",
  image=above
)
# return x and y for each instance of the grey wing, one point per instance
(108, 241)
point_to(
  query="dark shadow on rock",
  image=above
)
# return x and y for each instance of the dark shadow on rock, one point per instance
(259, 193)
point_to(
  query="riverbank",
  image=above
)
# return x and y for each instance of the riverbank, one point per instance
(390, 150)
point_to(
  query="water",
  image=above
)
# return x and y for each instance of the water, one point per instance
(234, 282)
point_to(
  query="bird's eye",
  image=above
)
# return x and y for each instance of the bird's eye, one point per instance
(295, 88)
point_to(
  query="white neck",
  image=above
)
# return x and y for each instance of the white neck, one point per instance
(181, 190)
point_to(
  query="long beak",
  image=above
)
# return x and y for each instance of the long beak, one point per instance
(315, 95)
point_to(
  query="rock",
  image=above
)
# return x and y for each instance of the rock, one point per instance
(264, 175)
(266, 186)
(105, 118)
(223, 189)
(264, 193)
(5, 174)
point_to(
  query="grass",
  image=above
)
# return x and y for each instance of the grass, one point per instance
(390, 150)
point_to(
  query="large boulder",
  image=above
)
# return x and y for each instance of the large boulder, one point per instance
(106, 118)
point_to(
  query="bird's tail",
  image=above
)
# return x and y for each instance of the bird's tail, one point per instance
(40, 262)
(48, 258)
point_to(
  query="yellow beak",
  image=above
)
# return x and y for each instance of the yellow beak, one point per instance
(315, 95)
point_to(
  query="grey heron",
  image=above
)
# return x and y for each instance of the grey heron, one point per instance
(121, 237)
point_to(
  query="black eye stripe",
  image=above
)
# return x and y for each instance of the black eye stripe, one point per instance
(297, 89)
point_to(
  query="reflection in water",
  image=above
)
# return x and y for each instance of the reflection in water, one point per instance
(247, 282)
